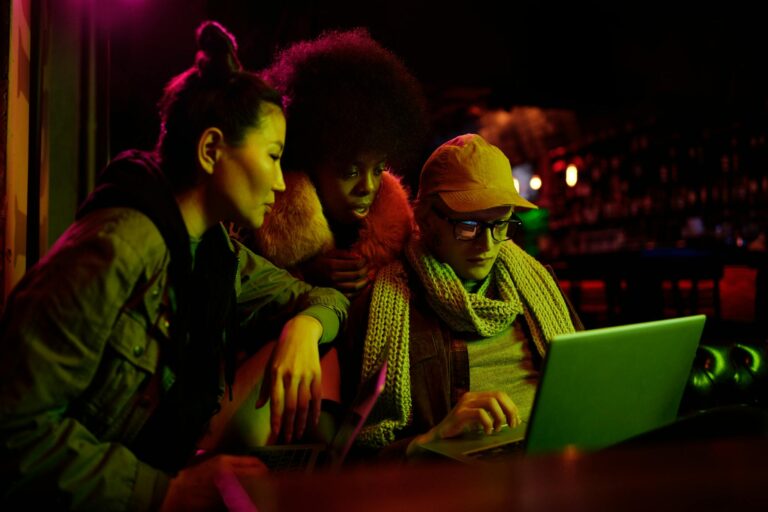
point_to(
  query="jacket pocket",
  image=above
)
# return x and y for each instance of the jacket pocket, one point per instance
(129, 361)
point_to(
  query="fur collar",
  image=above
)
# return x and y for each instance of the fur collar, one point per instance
(296, 229)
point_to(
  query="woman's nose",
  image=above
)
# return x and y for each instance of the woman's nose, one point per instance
(366, 185)
(279, 184)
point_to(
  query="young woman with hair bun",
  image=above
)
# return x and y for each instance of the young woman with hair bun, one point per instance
(119, 345)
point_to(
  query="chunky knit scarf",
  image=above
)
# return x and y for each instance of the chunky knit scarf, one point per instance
(524, 287)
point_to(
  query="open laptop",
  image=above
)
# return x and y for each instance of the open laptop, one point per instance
(306, 457)
(598, 387)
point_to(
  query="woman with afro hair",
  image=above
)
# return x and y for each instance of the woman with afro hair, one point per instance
(355, 116)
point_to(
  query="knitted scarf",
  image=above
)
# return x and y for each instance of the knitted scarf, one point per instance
(524, 287)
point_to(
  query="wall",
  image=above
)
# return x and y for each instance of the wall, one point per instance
(54, 123)
(16, 144)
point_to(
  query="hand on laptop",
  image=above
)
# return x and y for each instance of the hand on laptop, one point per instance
(488, 411)
(292, 379)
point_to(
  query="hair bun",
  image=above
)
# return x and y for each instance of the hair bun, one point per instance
(217, 49)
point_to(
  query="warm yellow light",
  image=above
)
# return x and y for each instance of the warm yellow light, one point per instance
(571, 175)
(535, 182)
(517, 184)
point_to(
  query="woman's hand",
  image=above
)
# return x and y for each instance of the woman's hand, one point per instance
(292, 379)
(344, 270)
(206, 484)
(485, 410)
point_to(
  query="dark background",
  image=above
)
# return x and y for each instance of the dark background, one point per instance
(609, 62)
(663, 108)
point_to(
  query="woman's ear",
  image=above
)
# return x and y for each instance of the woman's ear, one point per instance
(209, 149)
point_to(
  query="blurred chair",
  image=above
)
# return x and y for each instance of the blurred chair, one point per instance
(660, 283)
(727, 374)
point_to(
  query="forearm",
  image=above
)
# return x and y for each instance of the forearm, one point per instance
(61, 463)
(308, 325)
(52, 352)
(328, 320)
(47, 454)
(413, 445)
(404, 449)
(270, 295)
(330, 307)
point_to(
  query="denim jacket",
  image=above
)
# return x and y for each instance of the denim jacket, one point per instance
(83, 340)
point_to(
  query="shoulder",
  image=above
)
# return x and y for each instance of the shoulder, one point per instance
(94, 266)
(117, 236)
(126, 225)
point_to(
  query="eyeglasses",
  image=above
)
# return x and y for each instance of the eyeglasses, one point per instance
(467, 230)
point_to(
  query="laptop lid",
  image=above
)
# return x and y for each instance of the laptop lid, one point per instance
(603, 386)
(356, 416)
(598, 387)
(304, 457)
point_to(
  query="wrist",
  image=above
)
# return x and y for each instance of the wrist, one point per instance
(416, 443)
(307, 324)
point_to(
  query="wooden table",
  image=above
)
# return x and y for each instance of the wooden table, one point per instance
(727, 474)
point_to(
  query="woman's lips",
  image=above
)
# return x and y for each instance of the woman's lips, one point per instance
(361, 210)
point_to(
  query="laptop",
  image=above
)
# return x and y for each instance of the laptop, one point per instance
(308, 457)
(598, 387)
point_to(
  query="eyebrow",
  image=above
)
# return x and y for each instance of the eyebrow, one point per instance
(457, 216)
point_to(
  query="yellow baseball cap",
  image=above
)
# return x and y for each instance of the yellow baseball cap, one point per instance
(469, 174)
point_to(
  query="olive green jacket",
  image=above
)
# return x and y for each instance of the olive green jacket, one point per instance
(82, 369)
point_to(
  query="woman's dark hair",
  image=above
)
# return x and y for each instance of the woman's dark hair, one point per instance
(215, 91)
(345, 93)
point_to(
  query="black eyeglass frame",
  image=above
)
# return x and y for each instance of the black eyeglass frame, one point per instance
(513, 226)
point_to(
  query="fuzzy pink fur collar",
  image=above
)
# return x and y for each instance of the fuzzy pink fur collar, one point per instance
(296, 230)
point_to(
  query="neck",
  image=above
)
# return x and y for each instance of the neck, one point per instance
(471, 285)
(345, 235)
(193, 212)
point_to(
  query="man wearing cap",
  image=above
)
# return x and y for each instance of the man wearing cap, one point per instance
(465, 320)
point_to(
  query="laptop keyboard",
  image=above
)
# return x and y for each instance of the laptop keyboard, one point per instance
(497, 452)
(286, 458)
